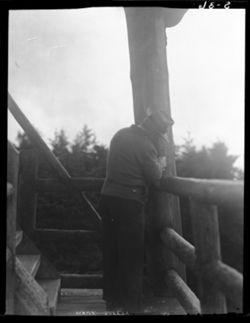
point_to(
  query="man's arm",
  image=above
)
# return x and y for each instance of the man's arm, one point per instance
(152, 166)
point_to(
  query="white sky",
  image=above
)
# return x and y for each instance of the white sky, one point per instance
(68, 68)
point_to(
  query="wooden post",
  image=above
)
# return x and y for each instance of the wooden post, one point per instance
(149, 77)
(27, 197)
(207, 245)
(12, 178)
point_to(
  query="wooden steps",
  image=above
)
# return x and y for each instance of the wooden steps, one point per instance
(82, 281)
(31, 299)
(80, 302)
(52, 289)
(86, 302)
(33, 270)
(31, 263)
(163, 306)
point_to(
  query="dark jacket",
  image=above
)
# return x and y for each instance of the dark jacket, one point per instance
(132, 165)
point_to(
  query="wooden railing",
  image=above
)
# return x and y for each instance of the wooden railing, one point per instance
(216, 279)
(60, 171)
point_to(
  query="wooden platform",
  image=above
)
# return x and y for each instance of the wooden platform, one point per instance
(86, 302)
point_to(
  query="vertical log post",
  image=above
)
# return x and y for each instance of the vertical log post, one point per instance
(27, 197)
(207, 244)
(12, 178)
(150, 85)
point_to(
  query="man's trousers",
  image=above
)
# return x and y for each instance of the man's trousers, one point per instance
(123, 252)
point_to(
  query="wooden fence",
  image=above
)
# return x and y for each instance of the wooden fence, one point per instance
(216, 279)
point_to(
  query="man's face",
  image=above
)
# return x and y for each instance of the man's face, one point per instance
(162, 121)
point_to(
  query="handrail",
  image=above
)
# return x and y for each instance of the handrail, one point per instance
(53, 161)
(81, 183)
(213, 191)
(186, 297)
(204, 258)
(225, 278)
(180, 246)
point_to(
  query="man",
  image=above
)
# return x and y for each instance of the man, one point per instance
(134, 164)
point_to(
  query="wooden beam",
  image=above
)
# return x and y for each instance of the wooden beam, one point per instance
(12, 188)
(207, 245)
(181, 247)
(31, 297)
(228, 280)
(81, 183)
(53, 161)
(93, 281)
(52, 234)
(183, 293)
(27, 197)
(150, 86)
(219, 192)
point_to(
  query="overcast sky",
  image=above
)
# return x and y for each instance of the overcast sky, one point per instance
(68, 68)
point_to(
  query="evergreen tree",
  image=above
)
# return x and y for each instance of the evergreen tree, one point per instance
(84, 141)
(60, 144)
(210, 163)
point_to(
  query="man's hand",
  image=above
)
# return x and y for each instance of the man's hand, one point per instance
(163, 163)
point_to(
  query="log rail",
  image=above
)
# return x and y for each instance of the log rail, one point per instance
(216, 279)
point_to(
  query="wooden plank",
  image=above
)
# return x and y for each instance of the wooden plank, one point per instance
(219, 192)
(81, 292)
(31, 298)
(81, 183)
(47, 270)
(81, 302)
(183, 293)
(51, 158)
(19, 237)
(47, 234)
(181, 247)
(207, 244)
(28, 247)
(210, 190)
(31, 263)
(52, 289)
(93, 281)
(163, 306)
(86, 302)
(27, 197)
(12, 180)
